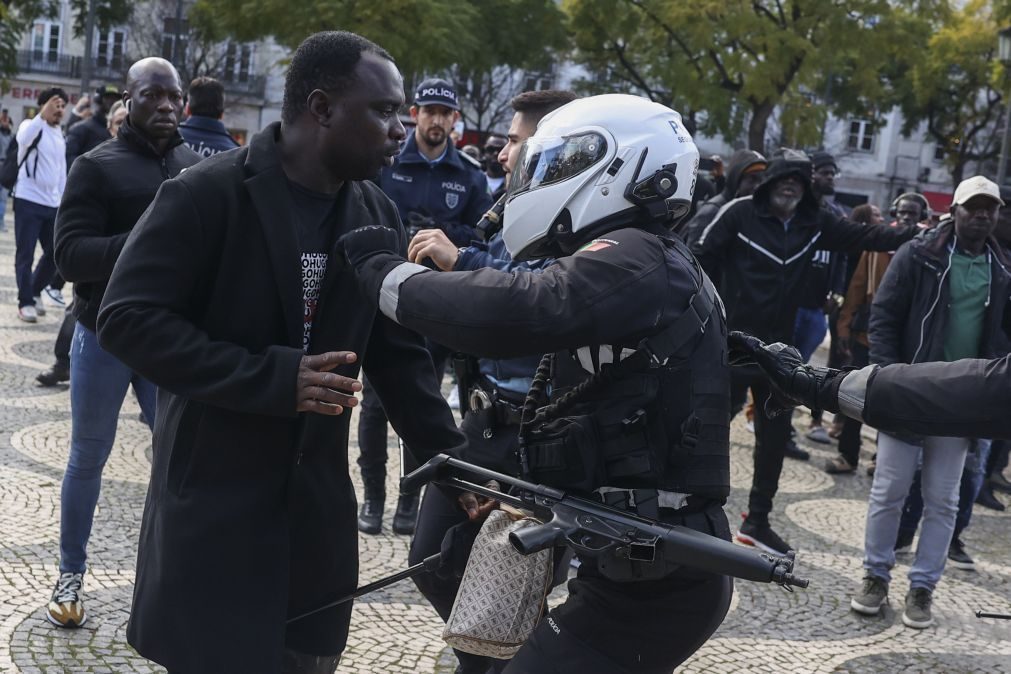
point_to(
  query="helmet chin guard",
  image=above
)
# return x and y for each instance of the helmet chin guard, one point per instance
(594, 165)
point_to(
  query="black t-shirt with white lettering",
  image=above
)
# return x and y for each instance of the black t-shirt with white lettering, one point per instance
(316, 232)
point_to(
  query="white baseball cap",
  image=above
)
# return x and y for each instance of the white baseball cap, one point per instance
(976, 186)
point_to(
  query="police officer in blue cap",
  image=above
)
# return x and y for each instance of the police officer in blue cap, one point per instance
(433, 184)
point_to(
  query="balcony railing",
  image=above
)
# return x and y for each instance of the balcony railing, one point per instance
(254, 85)
(114, 70)
(61, 65)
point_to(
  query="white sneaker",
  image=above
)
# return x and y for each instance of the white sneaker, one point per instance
(28, 314)
(454, 398)
(54, 297)
(39, 309)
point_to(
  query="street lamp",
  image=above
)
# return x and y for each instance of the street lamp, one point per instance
(1004, 54)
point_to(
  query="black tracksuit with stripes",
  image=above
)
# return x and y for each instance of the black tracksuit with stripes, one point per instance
(763, 270)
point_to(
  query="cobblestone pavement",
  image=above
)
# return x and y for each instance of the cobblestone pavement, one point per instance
(767, 630)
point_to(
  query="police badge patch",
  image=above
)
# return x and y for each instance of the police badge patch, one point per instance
(452, 199)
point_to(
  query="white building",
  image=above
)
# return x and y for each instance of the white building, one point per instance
(50, 55)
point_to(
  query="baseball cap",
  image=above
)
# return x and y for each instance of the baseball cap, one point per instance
(976, 186)
(822, 158)
(108, 90)
(436, 91)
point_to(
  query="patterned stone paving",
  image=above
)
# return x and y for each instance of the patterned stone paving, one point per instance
(394, 631)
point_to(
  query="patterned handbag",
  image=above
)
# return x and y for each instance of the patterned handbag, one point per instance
(502, 593)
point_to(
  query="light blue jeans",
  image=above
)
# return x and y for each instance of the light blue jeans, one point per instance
(98, 386)
(942, 462)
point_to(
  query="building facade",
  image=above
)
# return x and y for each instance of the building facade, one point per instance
(51, 55)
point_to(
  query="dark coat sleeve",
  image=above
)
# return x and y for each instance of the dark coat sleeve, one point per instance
(75, 143)
(400, 370)
(586, 298)
(145, 318)
(84, 250)
(965, 398)
(890, 310)
(843, 235)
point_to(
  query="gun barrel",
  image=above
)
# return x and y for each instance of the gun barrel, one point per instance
(694, 549)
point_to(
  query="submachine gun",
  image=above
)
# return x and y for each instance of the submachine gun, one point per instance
(592, 529)
(601, 532)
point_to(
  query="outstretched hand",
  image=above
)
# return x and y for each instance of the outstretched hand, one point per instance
(793, 381)
(321, 391)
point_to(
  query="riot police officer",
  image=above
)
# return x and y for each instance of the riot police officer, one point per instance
(633, 406)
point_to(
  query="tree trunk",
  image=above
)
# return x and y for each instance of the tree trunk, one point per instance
(760, 113)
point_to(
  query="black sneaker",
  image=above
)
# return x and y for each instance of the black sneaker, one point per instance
(370, 516)
(407, 514)
(792, 451)
(903, 543)
(1000, 483)
(57, 374)
(958, 557)
(762, 537)
(987, 499)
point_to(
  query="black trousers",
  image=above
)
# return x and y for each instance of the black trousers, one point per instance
(64, 338)
(373, 424)
(372, 439)
(648, 627)
(771, 436)
(439, 513)
(849, 438)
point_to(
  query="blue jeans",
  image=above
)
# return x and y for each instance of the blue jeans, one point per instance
(973, 475)
(3, 208)
(942, 461)
(809, 330)
(33, 223)
(98, 386)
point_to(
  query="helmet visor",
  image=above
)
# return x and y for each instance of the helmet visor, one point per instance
(545, 161)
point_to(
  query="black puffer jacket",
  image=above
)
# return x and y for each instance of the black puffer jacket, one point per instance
(909, 313)
(107, 191)
(762, 266)
(86, 136)
(739, 163)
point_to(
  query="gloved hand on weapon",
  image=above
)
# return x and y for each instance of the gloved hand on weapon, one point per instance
(794, 382)
(373, 251)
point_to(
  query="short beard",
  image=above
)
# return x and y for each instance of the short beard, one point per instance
(784, 204)
(825, 191)
(426, 138)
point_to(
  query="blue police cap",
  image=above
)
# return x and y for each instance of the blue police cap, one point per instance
(436, 91)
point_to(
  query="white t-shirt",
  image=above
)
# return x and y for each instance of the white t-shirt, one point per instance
(41, 182)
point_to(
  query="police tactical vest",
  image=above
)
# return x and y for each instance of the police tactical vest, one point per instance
(659, 418)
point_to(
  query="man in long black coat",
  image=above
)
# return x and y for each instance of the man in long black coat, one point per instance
(250, 514)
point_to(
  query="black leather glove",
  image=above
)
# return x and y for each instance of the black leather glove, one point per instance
(794, 382)
(373, 251)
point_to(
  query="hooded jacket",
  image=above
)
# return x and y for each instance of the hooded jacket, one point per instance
(762, 265)
(739, 163)
(909, 314)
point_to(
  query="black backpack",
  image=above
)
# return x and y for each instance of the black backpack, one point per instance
(11, 166)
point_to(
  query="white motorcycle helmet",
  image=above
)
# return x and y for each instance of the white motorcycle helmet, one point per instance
(595, 165)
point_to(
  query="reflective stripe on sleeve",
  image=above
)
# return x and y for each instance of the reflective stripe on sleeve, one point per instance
(389, 293)
(853, 392)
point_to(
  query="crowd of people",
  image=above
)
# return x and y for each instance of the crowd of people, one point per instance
(226, 285)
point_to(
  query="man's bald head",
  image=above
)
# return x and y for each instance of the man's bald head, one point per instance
(145, 67)
(154, 100)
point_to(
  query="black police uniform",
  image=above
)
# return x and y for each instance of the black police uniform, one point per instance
(650, 434)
